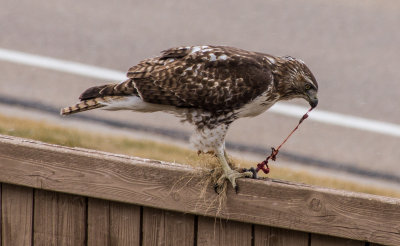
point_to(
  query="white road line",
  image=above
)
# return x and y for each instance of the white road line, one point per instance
(280, 108)
(338, 119)
(61, 65)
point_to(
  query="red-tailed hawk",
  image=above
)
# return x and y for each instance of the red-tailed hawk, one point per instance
(208, 86)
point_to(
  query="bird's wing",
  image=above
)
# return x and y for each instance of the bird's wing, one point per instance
(213, 78)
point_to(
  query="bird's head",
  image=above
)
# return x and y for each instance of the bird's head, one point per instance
(295, 80)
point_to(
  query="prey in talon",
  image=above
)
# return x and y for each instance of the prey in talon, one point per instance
(208, 86)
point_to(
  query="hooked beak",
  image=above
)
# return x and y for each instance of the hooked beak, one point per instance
(312, 98)
(313, 101)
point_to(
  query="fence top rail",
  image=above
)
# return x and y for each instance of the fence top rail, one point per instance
(178, 187)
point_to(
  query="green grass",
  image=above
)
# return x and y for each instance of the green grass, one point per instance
(49, 133)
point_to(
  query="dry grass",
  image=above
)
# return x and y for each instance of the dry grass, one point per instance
(45, 132)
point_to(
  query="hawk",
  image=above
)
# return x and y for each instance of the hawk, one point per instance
(209, 87)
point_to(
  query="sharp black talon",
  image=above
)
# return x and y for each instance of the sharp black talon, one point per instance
(216, 187)
(254, 171)
(237, 189)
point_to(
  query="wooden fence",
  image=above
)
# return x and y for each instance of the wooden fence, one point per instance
(53, 195)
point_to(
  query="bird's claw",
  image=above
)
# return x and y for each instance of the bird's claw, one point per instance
(231, 176)
(252, 170)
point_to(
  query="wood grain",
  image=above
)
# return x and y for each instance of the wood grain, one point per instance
(124, 224)
(270, 236)
(16, 216)
(323, 240)
(98, 222)
(162, 227)
(176, 187)
(1, 217)
(113, 223)
(60, 219)
(216, 232)
(179, 228)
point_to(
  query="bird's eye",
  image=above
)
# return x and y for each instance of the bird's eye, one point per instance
(308, 86)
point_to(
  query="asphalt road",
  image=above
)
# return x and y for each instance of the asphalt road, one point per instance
(352, 47)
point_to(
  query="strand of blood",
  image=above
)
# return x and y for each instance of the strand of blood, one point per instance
(264, 165)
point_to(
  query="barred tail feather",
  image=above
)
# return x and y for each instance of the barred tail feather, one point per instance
(89, 104)
(101, 96)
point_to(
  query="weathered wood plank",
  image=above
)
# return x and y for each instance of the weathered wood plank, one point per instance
(124, 224)
(179, 228)
(270, 236)
(45, 221)
(113, 223)
(153, 230)
(133, 180)
(98, 222)
(60, 219)
(218, 232)
(1, 218)
(162, 227)
(323, 240)
(17, 214)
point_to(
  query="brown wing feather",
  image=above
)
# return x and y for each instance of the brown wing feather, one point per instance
(219, 78)
(125, 88)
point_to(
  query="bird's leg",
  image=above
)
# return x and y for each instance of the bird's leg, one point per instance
(228, 173)
(228, 160)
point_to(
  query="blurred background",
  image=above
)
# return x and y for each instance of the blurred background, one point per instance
(352, 47)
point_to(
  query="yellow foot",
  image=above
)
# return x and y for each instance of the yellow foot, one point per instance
(230, 175)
